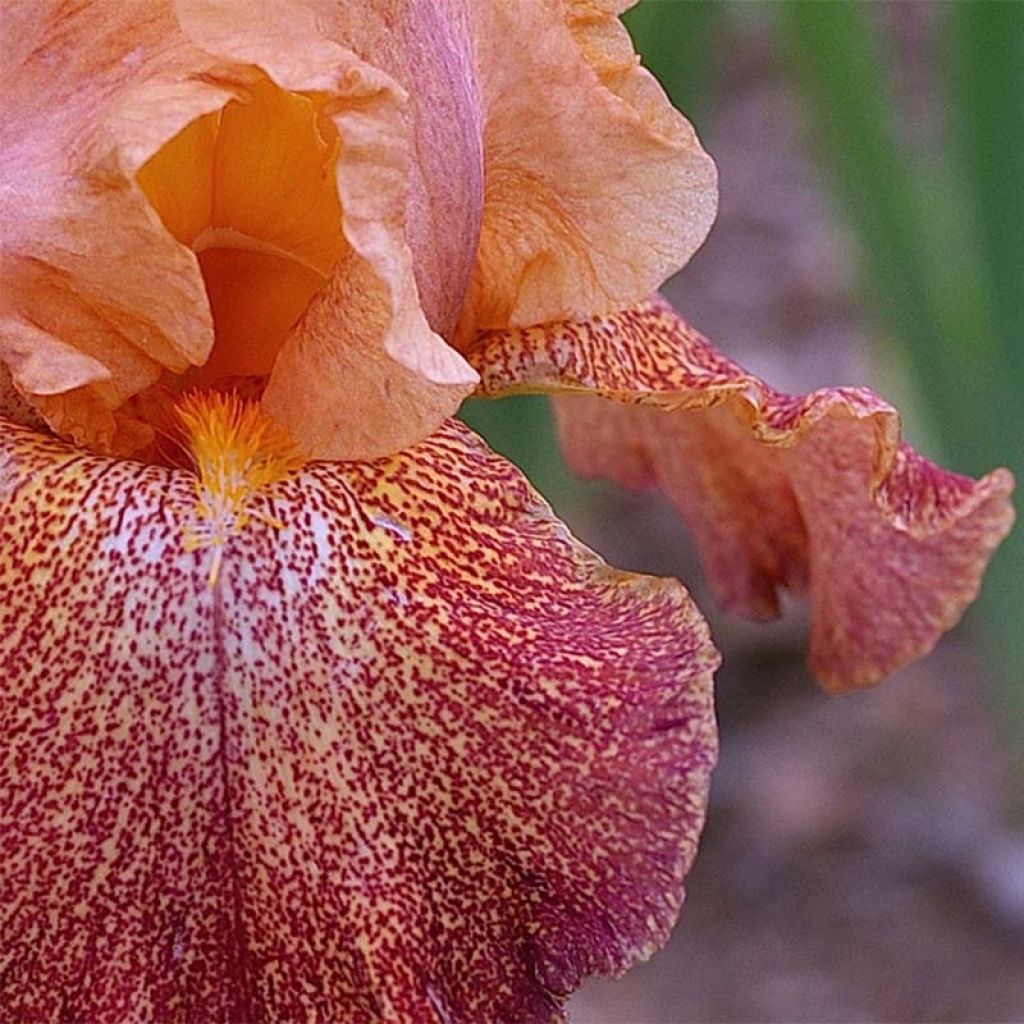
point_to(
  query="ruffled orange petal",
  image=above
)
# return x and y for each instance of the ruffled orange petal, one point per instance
(100, 295)
(815, 493)
(333, 407)
(595, 188)
(103, 298)
(415, 755)
(517, 113)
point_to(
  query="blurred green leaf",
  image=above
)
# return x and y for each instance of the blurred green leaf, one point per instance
(673, 38)
(987, 42)
(988, 65)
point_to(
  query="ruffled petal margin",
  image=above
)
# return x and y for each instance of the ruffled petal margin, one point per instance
(101, 302)
(815, 493)
(417, 755)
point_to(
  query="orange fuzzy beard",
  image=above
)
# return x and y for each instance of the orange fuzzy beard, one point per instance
(237, 452)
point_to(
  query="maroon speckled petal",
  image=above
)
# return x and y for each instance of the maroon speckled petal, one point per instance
(814, 492)
(417, 756)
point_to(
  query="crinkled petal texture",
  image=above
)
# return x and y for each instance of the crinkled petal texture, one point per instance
(815, 493)
(209, 183)
(595, 188)
(160, 163)
(416, 756)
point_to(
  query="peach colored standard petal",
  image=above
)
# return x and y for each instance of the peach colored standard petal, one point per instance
(332, 415)
(85, 266)
(595, 188)
(815, 493)
(534, 130)
(110, 268)
(426, 46)
(417, 755)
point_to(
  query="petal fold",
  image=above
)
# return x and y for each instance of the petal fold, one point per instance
(417, 755)
(84, 261)
(349, 415)
(814, 493)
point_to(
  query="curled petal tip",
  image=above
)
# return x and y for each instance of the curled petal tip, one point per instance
(815, 493)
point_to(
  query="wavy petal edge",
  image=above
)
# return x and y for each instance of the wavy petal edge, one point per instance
(649, 361)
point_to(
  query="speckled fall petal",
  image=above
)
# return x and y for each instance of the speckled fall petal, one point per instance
(416, 756)
(815, 493)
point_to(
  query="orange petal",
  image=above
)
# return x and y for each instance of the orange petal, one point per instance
(85, 263)
(585, 188)
(428, 49)
(416, 755)
(381, 405)
(408, 379)
(90, 97)
(814, 493)
(596, 189)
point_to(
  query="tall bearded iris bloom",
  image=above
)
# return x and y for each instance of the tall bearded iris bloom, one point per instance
(311, 709)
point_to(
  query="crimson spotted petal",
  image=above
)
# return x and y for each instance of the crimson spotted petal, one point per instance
(415, 755)
(815, 493)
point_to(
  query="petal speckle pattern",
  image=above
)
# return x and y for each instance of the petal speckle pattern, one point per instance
(380, 771)
(815, 493)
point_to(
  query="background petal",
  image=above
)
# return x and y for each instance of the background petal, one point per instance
(815, 493)
(418, 755)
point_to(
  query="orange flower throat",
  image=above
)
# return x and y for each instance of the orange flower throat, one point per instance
(251, 190)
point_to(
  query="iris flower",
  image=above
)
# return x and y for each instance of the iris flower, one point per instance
(311, 709)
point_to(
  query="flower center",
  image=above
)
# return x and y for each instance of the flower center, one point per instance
(251, 190)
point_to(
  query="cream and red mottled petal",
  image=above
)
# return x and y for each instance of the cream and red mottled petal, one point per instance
(814, 493)
(416, 755)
